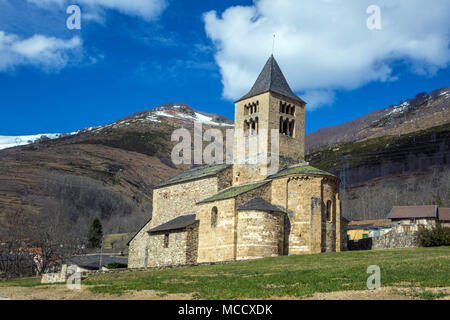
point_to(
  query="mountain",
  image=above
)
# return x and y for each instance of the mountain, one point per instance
(422, 112)
(394, 156)
(14, 141)
(105, 171)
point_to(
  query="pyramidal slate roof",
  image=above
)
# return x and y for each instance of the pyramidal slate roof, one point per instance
(260, 204)
(271, 79)
(180, 222)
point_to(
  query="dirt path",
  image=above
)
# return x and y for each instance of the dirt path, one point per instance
(60, 292)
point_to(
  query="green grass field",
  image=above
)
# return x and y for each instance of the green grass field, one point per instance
(292, 276)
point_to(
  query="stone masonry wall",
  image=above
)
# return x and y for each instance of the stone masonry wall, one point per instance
(216, 243)
(260, 234)
(330, 237)
(268, 115)
(394, 240)
(305, 230)
(292, 147)
(175, 253)
(219, 243)
(309, 231)
(192, 244)
(171, 202)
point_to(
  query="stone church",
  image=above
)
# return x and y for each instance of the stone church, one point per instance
(227, 212)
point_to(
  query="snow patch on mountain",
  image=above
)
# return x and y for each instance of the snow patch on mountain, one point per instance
(199, 117)
(15, 141)
(399, 108)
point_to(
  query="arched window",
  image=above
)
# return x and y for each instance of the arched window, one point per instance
(291, 128)
(286, 127)
(329, 215)
(293, 110)
(214, 217)
(281, 124)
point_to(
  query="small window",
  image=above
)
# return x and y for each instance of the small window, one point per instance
(214, 217)
(166, 240)
(328, 210)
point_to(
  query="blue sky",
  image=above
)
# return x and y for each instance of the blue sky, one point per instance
(128, 59)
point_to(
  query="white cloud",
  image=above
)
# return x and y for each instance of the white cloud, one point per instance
(47, 53)
(318, 98)
(324, 45)
(146, 9)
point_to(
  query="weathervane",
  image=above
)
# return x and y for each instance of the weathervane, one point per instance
(273, 43)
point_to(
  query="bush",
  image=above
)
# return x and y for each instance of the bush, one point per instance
(116, 265)
(437, 236)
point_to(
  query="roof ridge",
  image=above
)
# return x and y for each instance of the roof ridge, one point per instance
(271, 79)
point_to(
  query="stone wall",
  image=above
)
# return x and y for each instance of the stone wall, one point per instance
(331, 238)
(216, 243)
(171, 202)
(192, 244)
(219, 243)
(182, 247)
(304, 202)
(395, 240)
(56, 277)
(292, 147)
(268, 115)
(260, 234)
(305, 197)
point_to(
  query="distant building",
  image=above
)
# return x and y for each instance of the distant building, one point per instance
(357, 230)
(399, 230)
(414, 218)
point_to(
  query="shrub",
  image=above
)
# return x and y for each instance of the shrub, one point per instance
(116, 265)
(434, 237)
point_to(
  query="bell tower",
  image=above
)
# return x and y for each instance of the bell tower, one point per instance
(269, 123)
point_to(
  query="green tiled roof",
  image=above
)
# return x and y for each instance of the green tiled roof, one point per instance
(235, 191)
(301, 170)
(195, 173)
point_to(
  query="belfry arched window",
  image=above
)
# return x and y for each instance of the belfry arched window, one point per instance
(291, 128)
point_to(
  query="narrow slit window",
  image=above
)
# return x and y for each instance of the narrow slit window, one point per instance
(166, 240)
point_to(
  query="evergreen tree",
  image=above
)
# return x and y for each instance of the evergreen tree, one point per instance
(95, 234)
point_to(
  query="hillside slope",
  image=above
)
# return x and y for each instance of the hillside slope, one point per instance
(119, 163)
(379, 173)
(422, 112)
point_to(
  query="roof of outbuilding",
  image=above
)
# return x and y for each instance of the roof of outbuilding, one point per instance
(92, 261)
(302, 169)
(180, 222)
(234, 191)
(195, 173)
(413, 212)
(259, 204)
(444, 214)
(375, 223)
(271, 79)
